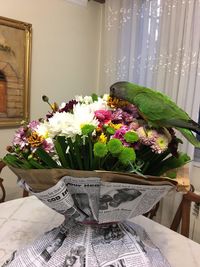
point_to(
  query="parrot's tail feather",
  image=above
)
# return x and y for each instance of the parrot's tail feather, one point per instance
(196, 125)
(186, 124)
(189, 136)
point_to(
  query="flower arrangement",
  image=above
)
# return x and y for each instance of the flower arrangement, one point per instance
(92, 132)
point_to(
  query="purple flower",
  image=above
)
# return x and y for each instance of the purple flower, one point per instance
(20, 138)
(127, 118)
(68, 106)
(124, 115)
(119, 134)
(132, 110)
(48, 147)
(117, 116)
(33, 125)
(134, 125)
(147, 136)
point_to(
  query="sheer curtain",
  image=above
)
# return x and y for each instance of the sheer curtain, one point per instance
(155, 43)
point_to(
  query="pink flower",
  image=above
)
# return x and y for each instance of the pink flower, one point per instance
(20, 138)
(121, 116)
(119, 134)
(33, 125)
(147, 136)
(48, 146)
(134, 125)
(160, 144)
(117, 115)
(103, 116)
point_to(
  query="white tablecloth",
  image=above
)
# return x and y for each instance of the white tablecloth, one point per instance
(23, 220)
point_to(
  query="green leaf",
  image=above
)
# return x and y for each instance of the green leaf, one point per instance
(94, 97)
(14, 161)
(46, 158)
(61, 148)
(36, 164)
(10, 160)
(78, 152)
(172, 163)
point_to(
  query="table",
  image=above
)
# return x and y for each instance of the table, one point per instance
(23, 220)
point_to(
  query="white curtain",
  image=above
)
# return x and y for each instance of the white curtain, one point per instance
(155, 43)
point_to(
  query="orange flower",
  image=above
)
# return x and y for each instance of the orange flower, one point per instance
(116, 103)
(35, 140)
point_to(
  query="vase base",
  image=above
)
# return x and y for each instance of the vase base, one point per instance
(123, 244)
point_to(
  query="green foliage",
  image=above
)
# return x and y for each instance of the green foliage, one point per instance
(100, 150)
(94, 97)
(87, 129)
(46, 158)
(127, 155)
(131, 137)
(110, 130)
(115, 146)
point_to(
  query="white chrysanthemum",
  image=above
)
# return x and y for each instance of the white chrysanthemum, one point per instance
(59, 122)
(42, 130)
(69, 124)
(84, 100)
(79, 98)
(100, 104)
(87, 100)
(84, 115)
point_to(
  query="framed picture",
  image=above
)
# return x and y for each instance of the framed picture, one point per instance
(15, 60)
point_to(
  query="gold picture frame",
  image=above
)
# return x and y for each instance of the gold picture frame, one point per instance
(15, 60)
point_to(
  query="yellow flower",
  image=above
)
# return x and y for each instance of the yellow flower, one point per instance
(103, 138)
(115, 126)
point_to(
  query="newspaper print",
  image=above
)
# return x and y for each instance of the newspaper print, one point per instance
(89, 237)
(73, 197)
(91, 200)
(119, 201)
(79, 245)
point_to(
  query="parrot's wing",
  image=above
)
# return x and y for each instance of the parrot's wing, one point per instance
(164, 113)
(155, 107)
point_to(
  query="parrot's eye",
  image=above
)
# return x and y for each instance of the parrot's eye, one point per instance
(112, 91)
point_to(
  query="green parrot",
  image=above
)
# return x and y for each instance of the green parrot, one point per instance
(157, 109)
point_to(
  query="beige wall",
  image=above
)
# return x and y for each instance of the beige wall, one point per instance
(65, 52)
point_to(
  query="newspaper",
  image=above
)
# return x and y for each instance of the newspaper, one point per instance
(91, 200)
(78, 245)
(95, 231)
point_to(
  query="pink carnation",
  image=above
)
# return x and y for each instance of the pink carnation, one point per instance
(103, 116)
